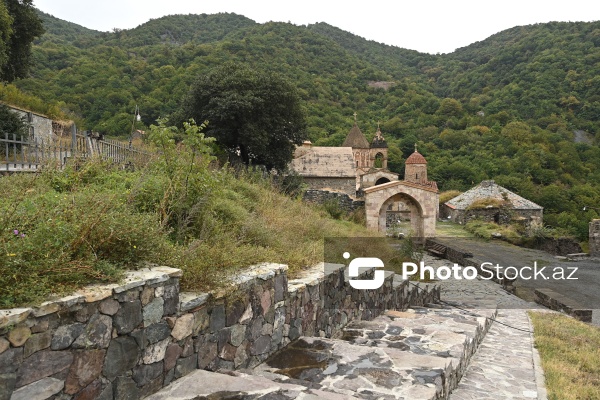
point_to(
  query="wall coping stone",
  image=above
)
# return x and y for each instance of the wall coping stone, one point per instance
(190, 300)
(91, 293)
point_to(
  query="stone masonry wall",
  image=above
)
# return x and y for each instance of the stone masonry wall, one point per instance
(322, 196)
(126, 341)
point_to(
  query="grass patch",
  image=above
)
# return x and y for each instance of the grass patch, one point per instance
(451, 229)
(449, 195)
(570, 353)
(62, 229)
(486, 230)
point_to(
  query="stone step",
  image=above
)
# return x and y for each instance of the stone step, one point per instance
(417, 354)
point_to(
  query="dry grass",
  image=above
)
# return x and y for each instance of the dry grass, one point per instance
(570, 353)
(448, 195)
(488, 202)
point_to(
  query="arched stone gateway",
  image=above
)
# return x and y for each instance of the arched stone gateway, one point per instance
(421, 200)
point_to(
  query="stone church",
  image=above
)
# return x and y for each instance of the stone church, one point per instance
(357, 173)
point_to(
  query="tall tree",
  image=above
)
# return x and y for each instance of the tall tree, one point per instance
(16, 38)
(256, 115)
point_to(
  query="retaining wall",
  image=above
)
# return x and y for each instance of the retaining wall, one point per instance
(126, 341)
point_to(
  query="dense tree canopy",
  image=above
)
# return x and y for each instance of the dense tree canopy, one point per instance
(521, 107)
(19, 26)
(256, 115)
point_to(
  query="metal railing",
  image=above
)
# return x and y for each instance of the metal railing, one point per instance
(24, 154)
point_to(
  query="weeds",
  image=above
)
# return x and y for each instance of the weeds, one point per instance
(90, 222)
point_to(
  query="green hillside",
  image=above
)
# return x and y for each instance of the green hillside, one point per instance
(505, 108)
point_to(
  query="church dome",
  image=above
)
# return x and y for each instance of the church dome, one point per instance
(416, 158)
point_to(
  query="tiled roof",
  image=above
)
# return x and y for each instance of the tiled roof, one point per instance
(356, 139)
(491, 190)
(416, 158)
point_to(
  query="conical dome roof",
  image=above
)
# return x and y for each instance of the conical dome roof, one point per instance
(356, 139)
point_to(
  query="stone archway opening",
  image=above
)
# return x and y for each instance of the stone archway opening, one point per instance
(381, 181)
(416, 205)
(401, 214)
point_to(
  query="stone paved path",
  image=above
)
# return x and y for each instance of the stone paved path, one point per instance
(506, 366)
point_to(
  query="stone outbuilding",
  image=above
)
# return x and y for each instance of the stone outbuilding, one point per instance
(491, 202)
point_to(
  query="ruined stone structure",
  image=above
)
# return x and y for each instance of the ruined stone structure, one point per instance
(40, 126)
(492, 203)
(359, 170)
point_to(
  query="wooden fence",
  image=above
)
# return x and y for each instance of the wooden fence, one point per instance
(23, 154)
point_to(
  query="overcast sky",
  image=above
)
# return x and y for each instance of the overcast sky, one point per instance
(431, 26)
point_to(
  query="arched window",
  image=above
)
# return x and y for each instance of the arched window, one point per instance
(378, 160)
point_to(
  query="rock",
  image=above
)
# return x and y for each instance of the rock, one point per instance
(7, 385)
(153, 312)
(86, 368)
(147, 296)
(41, 326)
(152, 387)
(128, 295)
(188, 347)
(256, 327)
(140, 338)
(107, 393)
(109, 307)
(37, 342)
(128, 317)
(91, 391)
(122, 355)
(157, 332)
(234, 313)
(267, 329)
(238, 333)
(280, 287)
(217, 318)
(241, 356)
(247, 316)
(65, 335)
(171, 355)
(85, 312)
(18, 336)
(207, 353)
(183, 327)
(171, 297)
(265, 301)
(4, 345)
(43, 364)
(10, 360)
(261, 345)
(125, 389)
(156, 352)
(201, 321)
(145, 373)
(228, 352)
(185, 366)
(40, 390)
(97, 333)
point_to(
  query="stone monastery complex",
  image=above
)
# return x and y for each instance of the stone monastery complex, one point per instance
(358, 170)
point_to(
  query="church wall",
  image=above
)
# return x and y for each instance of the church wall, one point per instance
(322, 196)
(343, 185)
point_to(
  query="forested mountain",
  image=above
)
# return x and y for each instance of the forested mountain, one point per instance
(505, 108)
